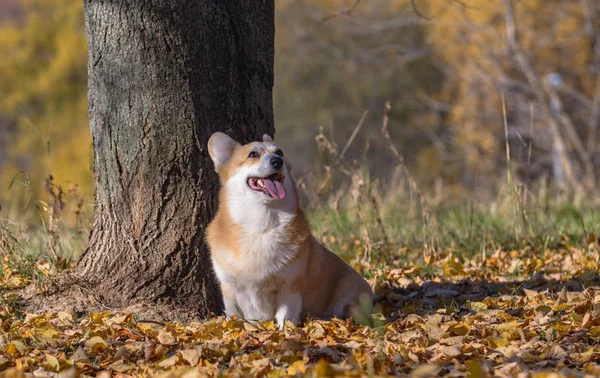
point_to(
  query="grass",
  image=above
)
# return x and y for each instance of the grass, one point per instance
(39, 237)
(467, 229)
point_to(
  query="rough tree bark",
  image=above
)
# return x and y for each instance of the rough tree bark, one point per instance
(163, 76)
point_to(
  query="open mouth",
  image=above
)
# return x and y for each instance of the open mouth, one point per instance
(272, 185)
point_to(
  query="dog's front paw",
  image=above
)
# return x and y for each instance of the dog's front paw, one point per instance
(289, 309)
(282, 324)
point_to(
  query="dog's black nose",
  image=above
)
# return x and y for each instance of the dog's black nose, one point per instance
(276, 162)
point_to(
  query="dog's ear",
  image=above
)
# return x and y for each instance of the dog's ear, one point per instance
(267, 138)
(220, 148)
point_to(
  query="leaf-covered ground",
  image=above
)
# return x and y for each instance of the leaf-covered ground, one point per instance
(525, 313)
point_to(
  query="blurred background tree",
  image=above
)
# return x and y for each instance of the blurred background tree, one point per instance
(544, 56)
(443, 65)
(43, 75)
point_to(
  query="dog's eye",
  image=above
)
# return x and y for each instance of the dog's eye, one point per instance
(253, 154)
(279, 152)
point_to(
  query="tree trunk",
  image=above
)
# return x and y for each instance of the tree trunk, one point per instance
(163, 76)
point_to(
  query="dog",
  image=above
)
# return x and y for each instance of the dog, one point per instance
(267, 262)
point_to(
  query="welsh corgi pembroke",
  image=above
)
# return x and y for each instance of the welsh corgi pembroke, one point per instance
(264, 256)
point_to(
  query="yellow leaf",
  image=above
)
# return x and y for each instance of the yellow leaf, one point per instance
(96, 344)
(16, 348)
(96, 317)
(459, 329)
(561, 307)
(323, 369)
(24, 363)
(594, 331)
(475, 370)
(269, 326)
(15, 282)
(495, 342)
(52, 363)
(537, 263)
(478, 306)
(562, 327)
(48, 332)
(298, 367)
(452, 268)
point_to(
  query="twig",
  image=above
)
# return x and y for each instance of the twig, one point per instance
(417, 11)
(150, 321)
(354, 133)
(530, 144)
(507, 144)
(347, 12)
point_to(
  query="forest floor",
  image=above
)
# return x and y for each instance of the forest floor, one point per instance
(473, 295)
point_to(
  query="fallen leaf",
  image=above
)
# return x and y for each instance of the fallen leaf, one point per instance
(120, 367)
(451, 351)
(96, 344)
(52, 363)
(191, 356)
(475, 370)
(169, 362)
(425, 371)
(298, 367)
(166, 338)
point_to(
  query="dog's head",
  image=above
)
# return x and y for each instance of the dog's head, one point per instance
(257, 168)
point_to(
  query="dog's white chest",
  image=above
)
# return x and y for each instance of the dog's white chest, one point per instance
(258, 257)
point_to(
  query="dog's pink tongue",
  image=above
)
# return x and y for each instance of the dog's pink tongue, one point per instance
(275, 188)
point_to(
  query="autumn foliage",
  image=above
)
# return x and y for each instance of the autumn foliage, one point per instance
(526, 312)
(455, 165)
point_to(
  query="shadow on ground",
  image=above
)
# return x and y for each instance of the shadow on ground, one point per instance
(397, 300)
